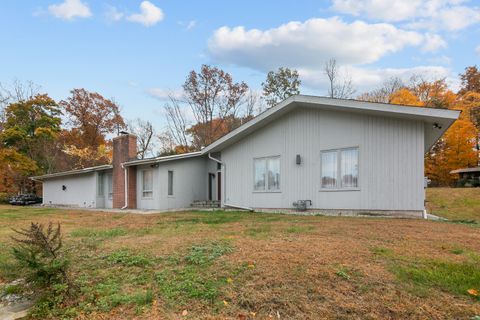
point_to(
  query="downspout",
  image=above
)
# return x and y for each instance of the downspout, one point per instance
(126, 187)
(224, 185)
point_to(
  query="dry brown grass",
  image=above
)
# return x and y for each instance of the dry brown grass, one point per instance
(290, 267)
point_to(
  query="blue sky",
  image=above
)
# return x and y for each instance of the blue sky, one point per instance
(136, 51)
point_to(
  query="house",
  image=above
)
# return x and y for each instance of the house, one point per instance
(339, 155)
(468, 177)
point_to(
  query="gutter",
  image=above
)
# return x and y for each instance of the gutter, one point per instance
(126, 188)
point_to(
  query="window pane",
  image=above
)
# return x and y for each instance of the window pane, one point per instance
(273, 165)
(147, 186)
(260, 167)
(349, 168)
(329, 169)
(110, 186)
(170, 183)
(100, 185)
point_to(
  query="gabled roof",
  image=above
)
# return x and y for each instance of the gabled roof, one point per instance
(73, 172)
(437, 120)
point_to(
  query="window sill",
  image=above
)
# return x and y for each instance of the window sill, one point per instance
(267, 191)
(338, 189)
(147, 198)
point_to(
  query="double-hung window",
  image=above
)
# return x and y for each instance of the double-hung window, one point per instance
(339, 169)
(147, 183)
(266, 174)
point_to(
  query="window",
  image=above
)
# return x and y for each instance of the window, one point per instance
(147, 184)
(340, 169)
(110, 186)
(267, 174)
(100, 187)
(170, 183)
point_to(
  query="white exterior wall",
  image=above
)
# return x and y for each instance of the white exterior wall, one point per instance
(391, 167)
(80, 191)
(189, 184)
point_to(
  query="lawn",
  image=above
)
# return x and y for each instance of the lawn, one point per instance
(454, 203)
(238, 265)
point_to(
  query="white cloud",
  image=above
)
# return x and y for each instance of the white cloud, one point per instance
(191, 24)
(365, 79)
(149, 14)
(433, 42)
(165, 94)
(188, 25)
(450, 15)
(70, 9)
(392, 10)
(113, 14)
(309, 44)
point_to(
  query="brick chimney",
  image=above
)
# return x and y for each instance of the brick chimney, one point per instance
(124, 149)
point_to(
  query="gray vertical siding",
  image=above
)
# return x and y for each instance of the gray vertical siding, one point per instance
(189, 184)
(80, 191)
(390, 161)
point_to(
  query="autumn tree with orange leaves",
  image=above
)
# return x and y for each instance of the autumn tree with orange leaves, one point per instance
(91, 117)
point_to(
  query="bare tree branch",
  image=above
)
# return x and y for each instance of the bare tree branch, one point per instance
(340, 86)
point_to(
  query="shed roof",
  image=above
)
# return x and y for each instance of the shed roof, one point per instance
(73, 172)
(466, 170)
(438, 120)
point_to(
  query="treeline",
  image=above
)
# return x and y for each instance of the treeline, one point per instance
(39, 135)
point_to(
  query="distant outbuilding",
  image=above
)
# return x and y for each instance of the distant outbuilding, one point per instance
(468, 177)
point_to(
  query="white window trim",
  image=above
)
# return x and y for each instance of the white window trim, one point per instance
(144, 190)
(279, 190)
(339, 173)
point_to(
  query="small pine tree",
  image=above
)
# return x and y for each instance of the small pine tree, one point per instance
(39, 252)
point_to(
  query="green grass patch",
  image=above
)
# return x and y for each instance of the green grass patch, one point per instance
(8, 266)
(381, 251)
(20, 212)
(128, 259)
(193, 276)
(300, 229)
(259, 231)
(457, 251)
(205, 254)
(453, 277)
(105, 234)
(343, 273)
